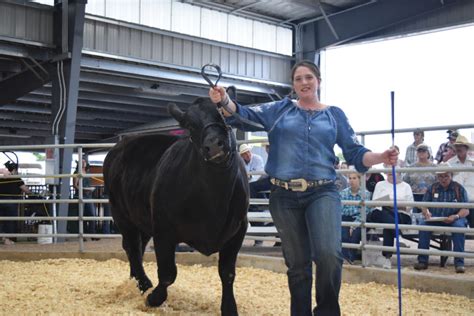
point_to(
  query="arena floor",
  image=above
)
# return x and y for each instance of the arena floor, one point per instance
(58, 282)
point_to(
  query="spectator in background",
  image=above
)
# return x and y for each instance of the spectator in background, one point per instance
(465, 178)
(444, 190)
(258, 190)
(87, 189)
(411, 155)
(344, 165)
(341, 181)
(351, 213)
(262, 186)
(452, 135)
(371, 179)
(383, 192)
(420, 181)
(10, 189)
(253, 162)
(449, 152)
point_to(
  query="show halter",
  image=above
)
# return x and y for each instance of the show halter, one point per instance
(395, 208)
(220, 104)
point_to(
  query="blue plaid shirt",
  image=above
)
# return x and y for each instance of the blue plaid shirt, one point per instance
(353, 210)
(439, 194)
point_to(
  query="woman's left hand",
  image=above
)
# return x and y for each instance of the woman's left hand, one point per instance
(390, 156)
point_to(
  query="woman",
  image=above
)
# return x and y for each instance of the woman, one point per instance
(307, 210)
(421, 181)
(384, 191)
(351, 213)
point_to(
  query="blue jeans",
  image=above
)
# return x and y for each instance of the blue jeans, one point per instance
(10, 210)
(354, 238)
(457, 238)
(388, 217)
(89, 226)
(309, 225)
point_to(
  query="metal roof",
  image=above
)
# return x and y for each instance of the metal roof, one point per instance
(289, 12)
(127, 79)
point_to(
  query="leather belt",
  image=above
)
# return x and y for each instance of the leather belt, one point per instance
(299, 185)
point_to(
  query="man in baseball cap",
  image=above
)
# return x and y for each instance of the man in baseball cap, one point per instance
(452, 135)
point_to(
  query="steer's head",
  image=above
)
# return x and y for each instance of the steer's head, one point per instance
(208, 131)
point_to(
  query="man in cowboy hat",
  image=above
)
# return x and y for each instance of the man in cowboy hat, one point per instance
(465, 178)
(253, 162)
(443, 190)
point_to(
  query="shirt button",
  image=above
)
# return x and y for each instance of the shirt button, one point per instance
(309, 128)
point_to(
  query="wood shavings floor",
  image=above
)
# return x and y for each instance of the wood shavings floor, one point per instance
(89, 287)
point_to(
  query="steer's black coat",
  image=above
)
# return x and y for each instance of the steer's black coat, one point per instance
(192, 190)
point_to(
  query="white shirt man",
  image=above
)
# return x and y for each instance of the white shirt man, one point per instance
(253, 162)
(465, 178)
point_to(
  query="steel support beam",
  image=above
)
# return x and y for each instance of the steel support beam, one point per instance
(68, 29)
(363, 20)
(158, 110)
(32, 77)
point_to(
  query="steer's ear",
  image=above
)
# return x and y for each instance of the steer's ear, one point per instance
(175, 112)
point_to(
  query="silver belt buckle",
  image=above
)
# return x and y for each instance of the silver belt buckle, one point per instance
(302, 185)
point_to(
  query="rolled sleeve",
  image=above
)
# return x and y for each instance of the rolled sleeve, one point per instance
(347, 140)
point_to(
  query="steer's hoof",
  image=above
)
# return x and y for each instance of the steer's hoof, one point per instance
(144, 285)
(156, 298)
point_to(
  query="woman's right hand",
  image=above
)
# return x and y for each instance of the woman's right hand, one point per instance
(217, 94)
(426, 214)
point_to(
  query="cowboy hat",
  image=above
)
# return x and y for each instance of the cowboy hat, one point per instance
(462, 141)
(244, 148)
(443, 165)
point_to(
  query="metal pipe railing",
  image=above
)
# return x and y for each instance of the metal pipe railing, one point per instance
(363, 204)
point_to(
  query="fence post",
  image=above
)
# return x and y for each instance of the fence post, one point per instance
(81, 200)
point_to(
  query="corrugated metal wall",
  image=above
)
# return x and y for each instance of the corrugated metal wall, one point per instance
(172, 15)
(128, 40)
(176, 16)
(26, 23)
(150, 44)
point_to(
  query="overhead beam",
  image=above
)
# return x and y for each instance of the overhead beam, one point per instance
(18, 132)
(362, 20)
(22, 119)
(14, 50)
(30, 110)
(152, 72)
(32, 77)
(38, 126)
(159, 109)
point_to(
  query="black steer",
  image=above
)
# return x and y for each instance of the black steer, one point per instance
(191, 190)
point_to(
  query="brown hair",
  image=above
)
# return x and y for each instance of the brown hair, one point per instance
(308, 64)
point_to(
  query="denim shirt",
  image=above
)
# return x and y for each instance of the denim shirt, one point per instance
(301, 141)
